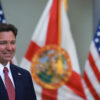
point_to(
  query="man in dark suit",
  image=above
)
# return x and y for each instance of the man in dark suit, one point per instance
(19, 80)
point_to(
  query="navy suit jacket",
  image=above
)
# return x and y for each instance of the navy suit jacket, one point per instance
(23, 85)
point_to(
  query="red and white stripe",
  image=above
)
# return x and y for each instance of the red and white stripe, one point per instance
(92, 74)
(46, 33)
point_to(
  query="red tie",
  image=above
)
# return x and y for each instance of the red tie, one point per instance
(9, 86)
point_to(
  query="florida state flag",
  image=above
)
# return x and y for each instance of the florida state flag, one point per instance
(51, 57)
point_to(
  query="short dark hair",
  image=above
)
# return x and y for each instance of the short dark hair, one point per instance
(8, 27)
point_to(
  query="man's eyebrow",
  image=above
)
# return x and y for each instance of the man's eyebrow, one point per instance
(7, 41)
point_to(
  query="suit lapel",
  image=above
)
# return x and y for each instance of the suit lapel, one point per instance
(17, 77)
(3, 92)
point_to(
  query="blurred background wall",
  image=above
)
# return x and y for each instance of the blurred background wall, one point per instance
(96, 13)
(24, 14)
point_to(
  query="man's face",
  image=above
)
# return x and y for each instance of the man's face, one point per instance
(7, 46)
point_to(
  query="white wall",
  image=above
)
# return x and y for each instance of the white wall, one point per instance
(25, 14)
(81, 20)
(96, 13)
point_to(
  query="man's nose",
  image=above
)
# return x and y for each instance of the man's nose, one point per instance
(8, 46)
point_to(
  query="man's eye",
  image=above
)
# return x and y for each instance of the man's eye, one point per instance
(2, 42)
(13, 42)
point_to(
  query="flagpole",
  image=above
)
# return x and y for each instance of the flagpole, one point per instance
(59, 22)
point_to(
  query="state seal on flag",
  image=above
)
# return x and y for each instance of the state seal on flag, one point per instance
(51, 67)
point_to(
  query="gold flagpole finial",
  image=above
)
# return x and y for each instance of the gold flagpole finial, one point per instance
(65, 4)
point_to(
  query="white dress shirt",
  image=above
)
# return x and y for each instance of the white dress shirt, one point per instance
(9, 72)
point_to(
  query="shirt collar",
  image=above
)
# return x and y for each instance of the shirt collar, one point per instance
(2, 67)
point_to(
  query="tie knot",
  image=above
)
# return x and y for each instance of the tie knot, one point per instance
(5, 70)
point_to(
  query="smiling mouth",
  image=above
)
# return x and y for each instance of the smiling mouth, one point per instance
(8, 54)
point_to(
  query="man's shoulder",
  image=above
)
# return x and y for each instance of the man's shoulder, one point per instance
(19, 69)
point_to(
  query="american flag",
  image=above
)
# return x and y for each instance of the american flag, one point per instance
(92, 69)
(2, 17)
